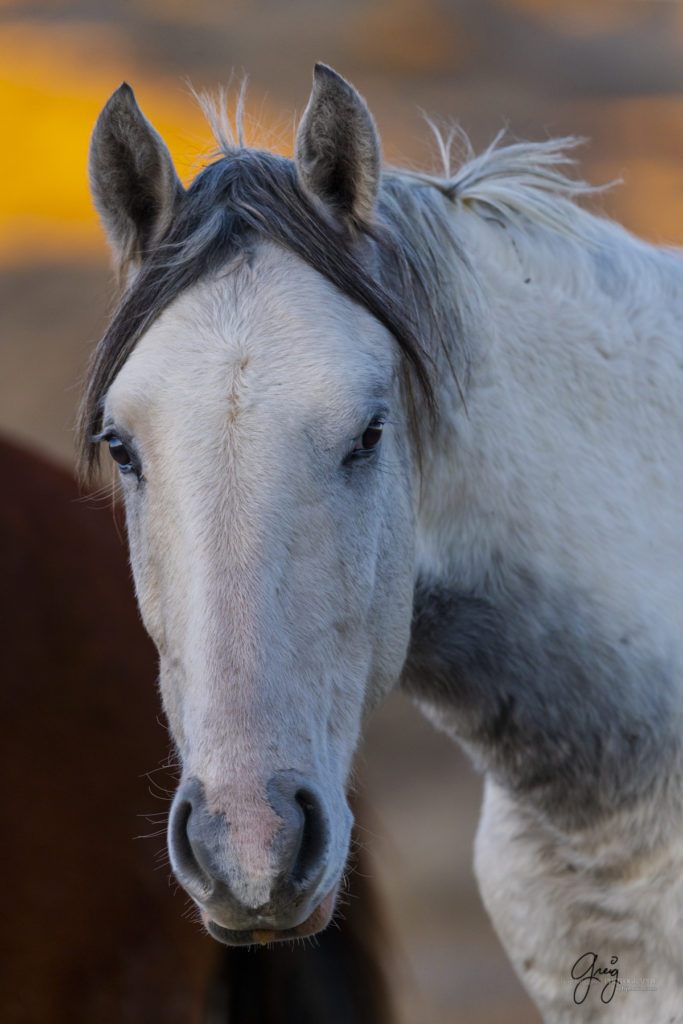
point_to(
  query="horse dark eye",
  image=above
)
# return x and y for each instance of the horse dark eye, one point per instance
(120, 454)
(369, 439)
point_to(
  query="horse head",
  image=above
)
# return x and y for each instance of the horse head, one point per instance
(258, 416)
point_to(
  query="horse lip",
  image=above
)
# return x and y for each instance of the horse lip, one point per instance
(318, 919)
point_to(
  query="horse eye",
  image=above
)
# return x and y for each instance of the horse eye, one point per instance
(369, 439)
(120, 454)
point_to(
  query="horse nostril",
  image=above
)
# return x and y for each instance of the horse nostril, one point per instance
(185, 863)
(301, 845)
(313, 836)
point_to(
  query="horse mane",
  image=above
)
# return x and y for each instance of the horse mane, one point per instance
(422, 280)
(514, 181)
(520, 179)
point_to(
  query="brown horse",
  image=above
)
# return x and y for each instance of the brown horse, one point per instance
(92, 930)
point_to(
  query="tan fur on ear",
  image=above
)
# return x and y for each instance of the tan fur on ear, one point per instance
(337, 151)
(134, 184)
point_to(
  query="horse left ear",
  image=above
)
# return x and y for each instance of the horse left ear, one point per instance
(132, 178)
(337, 150)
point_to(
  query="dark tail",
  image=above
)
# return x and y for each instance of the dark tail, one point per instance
(338, 977)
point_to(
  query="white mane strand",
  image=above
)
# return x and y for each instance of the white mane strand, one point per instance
(523, 179)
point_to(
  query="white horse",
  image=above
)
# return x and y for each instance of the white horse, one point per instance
(387, 428)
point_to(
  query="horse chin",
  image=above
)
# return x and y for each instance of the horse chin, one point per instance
(315, 922)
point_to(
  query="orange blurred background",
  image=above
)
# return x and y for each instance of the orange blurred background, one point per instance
(610, 71)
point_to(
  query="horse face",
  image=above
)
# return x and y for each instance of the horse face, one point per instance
(267, 483)
(260, 431)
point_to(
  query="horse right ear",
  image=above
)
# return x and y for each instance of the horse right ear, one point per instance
(133, 182)
(337, 150)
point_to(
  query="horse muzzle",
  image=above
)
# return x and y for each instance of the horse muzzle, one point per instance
(261, 871)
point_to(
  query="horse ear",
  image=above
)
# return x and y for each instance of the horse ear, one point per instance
(133, 182)
(337, 150)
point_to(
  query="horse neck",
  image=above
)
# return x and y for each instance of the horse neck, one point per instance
(553, 458)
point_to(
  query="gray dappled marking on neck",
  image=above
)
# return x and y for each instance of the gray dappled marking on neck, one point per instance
(574, 717)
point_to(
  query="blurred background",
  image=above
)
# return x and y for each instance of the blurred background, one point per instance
(608, 70)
